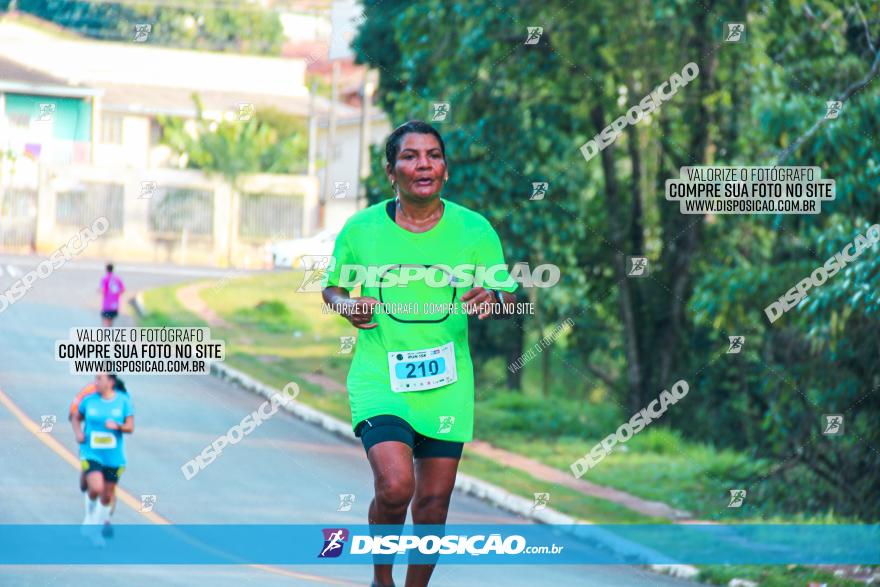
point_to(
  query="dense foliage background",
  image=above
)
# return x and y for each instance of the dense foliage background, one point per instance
(519, 114)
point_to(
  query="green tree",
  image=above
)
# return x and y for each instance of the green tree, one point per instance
(519, 114)
(268, 142)
(245, 30)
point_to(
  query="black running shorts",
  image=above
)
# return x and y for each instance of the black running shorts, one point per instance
(378, 429)
(111, 474)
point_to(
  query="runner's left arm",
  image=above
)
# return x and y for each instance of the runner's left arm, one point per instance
(489, 254)
(128, 426)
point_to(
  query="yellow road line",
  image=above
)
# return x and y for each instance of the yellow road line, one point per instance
(129, 500)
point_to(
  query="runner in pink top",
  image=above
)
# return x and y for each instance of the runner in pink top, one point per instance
(111, 290)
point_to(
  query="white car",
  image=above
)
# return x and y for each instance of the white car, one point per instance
(290, 253)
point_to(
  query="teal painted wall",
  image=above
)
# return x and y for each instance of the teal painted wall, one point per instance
(72, 117)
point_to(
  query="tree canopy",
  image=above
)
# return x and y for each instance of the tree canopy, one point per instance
(520, 113)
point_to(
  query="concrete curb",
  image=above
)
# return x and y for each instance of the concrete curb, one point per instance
(583, 530)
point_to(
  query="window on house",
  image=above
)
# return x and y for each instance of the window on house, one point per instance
(111, 129)
(155, 132)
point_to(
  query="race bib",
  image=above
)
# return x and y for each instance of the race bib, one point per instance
(422, 369)
(102, 440)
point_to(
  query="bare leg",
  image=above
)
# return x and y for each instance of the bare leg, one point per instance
(392, 465)
(109, 493)
(95, 483)
(435, 480)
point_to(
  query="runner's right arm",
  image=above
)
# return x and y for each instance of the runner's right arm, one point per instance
(358, 311)
(76, 422)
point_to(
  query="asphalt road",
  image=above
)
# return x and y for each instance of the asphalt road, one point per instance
(284, 472)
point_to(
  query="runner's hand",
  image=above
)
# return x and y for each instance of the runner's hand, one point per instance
(359, 312)
(80, 438)
(477, 296)
(111, 425)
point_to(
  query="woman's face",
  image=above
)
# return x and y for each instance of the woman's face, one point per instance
(103, 382)
(420, 170)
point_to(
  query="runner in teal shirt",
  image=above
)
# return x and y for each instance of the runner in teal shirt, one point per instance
(107, 415)
(103, 444)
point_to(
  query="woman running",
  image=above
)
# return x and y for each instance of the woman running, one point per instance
(411, 385)
(89, 389)
(107, 415)
(112, 289)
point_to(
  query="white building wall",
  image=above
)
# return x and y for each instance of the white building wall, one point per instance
(343, 167)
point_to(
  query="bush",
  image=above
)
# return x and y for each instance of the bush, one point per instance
(658, 440)
(270, 316)
(512, 412)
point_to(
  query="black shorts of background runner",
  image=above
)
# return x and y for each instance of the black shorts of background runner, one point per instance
(111, 474)
(109, 314)
(381, 428)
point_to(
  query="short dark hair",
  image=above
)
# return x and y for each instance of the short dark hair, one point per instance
(110, 267)
(392, 145)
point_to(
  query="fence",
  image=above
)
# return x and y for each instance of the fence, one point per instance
(18, 219)
(160, 215)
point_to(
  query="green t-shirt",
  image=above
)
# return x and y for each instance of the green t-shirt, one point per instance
(425, 313)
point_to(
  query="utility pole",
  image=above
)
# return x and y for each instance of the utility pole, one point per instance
(368, 88)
